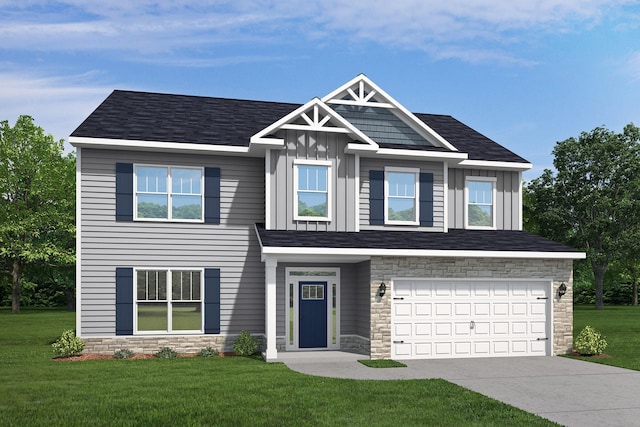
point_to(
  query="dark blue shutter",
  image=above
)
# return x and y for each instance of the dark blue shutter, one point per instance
(212, 195)
(426, 199)
(124, 301)
(211, 300)
(376, 197)
(124, 192)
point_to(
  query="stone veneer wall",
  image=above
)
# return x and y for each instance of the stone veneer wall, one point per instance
(383, 269)
(152, 344)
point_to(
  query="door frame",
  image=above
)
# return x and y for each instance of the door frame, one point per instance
(293, 277)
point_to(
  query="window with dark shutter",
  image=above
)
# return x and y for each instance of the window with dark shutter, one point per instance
(211, 300)
(376, 197)
(426, 199)
(124, 301)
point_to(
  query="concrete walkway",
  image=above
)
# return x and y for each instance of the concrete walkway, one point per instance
(569, 392)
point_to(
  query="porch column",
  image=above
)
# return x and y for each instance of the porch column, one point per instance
(270, 265)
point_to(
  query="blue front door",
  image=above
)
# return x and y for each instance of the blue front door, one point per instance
(313, 315)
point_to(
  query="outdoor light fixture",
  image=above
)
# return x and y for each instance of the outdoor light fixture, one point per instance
(562, 289)
(382, 289)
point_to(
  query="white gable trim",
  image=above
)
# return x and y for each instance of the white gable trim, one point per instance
(316, 115)
(357, 90)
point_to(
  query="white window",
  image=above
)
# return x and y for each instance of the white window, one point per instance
(169, 193)
(312, 199)
(168, 301)
(480, 196)
(401, 187)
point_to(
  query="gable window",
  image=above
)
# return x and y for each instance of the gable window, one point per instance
(312, 200)
(480, 195)
(401, 201)
(168, 193)
(168, 301)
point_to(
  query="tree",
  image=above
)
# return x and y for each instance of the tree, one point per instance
(37, 201)
(593, 199)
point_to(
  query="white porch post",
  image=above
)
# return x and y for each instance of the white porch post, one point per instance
(270, 265)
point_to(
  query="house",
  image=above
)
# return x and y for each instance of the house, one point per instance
(347, 223)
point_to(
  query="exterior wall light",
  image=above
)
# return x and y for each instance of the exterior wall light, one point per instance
(382, 289)
(562, 289)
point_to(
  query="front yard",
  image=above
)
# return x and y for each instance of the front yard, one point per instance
(36, 390)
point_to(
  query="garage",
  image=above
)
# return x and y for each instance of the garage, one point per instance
(456, 318)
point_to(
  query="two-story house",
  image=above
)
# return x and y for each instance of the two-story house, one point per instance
(347, 223)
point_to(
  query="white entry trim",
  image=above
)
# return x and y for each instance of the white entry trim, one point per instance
(332, 277)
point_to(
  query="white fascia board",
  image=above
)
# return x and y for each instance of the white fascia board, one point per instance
(352, 148)
(267, 143)
(487, 164)
(439, 155)
(127, 144)
(276, 250)
(422, 128)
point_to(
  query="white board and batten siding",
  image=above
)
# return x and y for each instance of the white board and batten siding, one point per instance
(231, 245)
(458, 318)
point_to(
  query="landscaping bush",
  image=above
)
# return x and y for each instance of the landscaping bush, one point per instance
(245, 344)
(123, 353)
(208, 352)
(166, 353)
(68, 344)
(590, 342)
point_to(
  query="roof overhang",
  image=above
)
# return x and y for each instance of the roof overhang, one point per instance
(157, 146)
(486, 164)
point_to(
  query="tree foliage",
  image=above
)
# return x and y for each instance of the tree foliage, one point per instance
(37, 201)
(592, 201)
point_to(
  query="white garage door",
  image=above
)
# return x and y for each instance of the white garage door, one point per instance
(448, 318)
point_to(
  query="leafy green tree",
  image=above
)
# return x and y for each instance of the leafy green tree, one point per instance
(37, 201)
(593, 198)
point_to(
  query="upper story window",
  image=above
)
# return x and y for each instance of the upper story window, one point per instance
(401, 201)
(168, 193)
(480, 196)
(312, 199)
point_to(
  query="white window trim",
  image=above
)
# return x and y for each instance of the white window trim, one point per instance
(416, 173)
(328, 165)
(169, 301)
(493, 181)
(169, 193)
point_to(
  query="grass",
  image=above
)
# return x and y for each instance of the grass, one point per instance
(38, 391)
(620, 325)
(382, 363)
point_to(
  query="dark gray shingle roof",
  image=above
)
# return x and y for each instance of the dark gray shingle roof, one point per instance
(454, 240)
(148, 116)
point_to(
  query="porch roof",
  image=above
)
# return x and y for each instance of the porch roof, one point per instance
(456, 242)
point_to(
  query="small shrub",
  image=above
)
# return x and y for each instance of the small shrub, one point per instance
(68, 344)
(245, 344)
(589, 342)
(166, 353)
(208, 352)
(123, 353)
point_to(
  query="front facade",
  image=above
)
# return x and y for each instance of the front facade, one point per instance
(347, 223)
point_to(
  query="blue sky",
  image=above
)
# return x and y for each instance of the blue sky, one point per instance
(525, 73)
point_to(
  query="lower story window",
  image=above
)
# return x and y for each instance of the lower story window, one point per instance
(168, 300)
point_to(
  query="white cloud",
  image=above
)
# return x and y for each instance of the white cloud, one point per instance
(444, 29)
(57, 104)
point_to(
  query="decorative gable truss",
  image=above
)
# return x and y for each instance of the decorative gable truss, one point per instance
(362, 92)
(314, 116)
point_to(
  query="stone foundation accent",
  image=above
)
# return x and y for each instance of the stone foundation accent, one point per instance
(152, 344)
(355, 344)
(384, 269)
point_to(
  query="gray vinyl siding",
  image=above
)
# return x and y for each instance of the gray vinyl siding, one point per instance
(312, 146)
(507, 197)
(437, 169)
(231, 246)
(363, 299)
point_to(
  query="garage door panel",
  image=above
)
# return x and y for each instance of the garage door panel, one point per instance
(446, 318)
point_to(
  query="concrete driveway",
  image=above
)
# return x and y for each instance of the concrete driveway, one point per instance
(567, 391)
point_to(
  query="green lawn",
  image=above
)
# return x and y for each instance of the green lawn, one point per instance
(35, 390)
(620, 325)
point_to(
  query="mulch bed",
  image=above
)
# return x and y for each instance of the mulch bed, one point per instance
(93, 356)
(591, 356)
